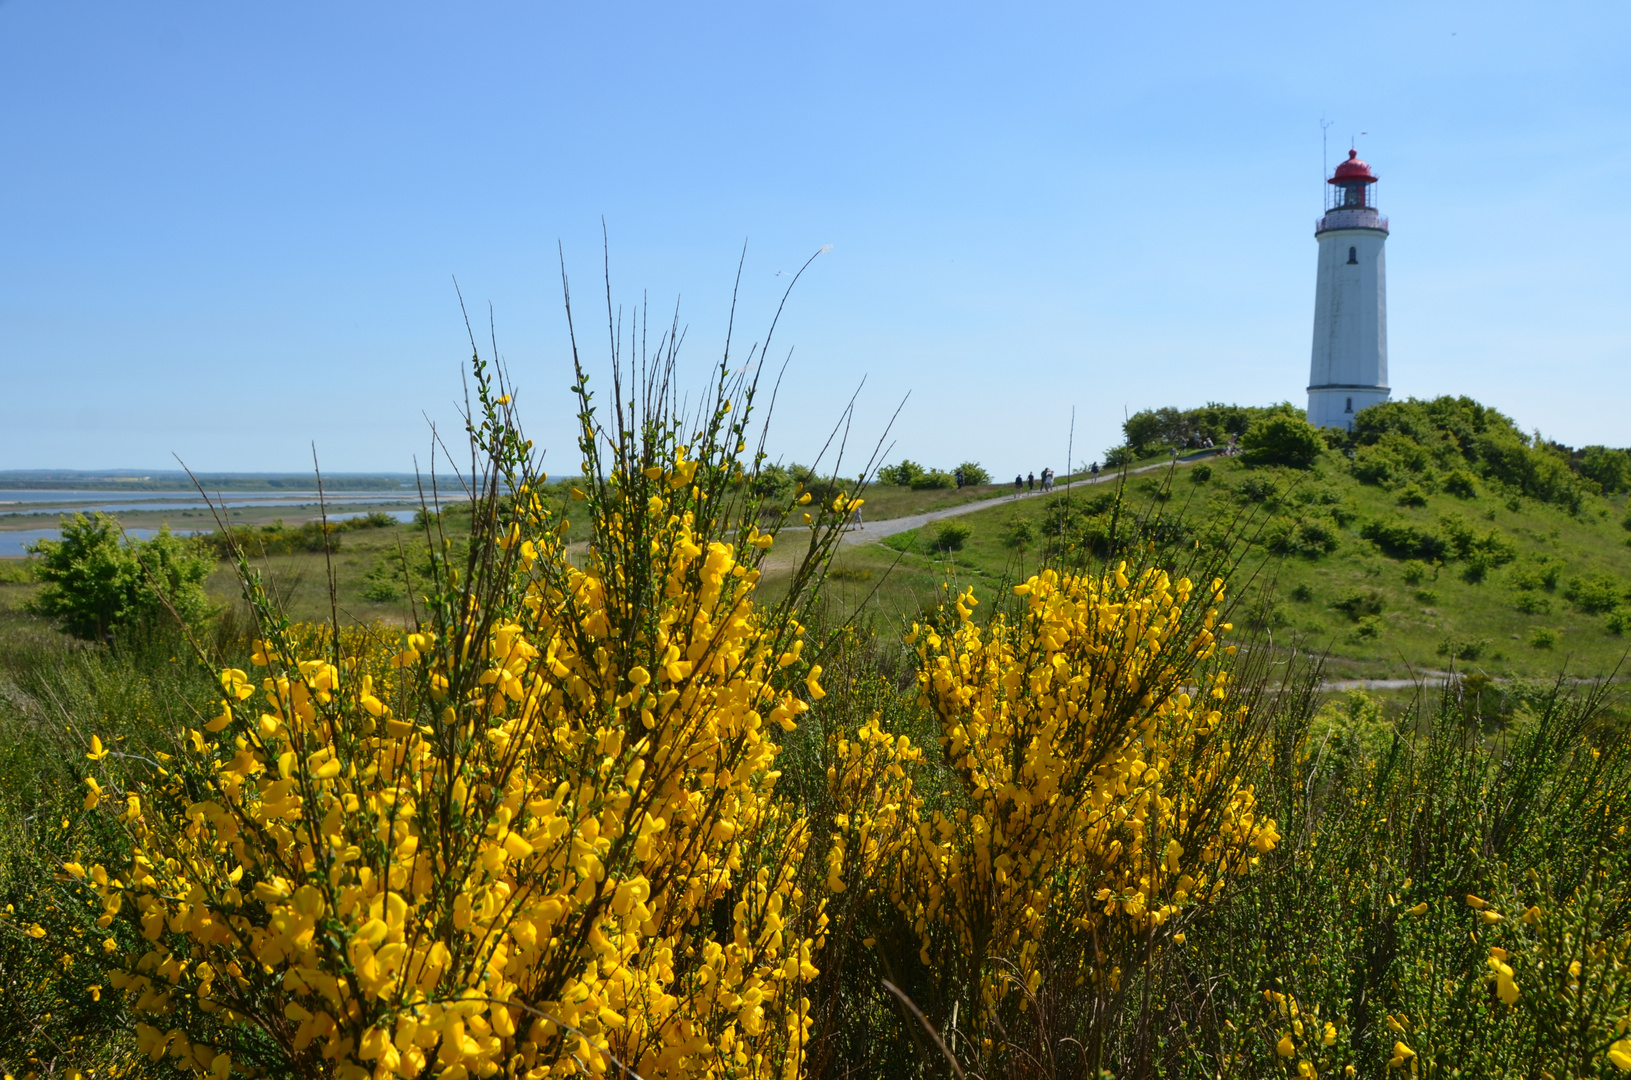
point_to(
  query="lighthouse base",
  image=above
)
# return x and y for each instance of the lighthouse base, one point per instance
(1336, 406)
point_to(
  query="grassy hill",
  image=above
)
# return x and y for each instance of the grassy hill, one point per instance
(1435, 534)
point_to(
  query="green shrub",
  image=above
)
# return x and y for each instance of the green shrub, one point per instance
(98, 586)
(1457, 649)
(903, 474)
(1542, 638)
(1461, 483)
(973, 473)
(1533, 603)
(383, 581)
(1200, 474)
(1541, 574)
(1313, 535)
(933, 481)
(1358, 603)
(1257, 489)
(1155, 487)
(1415, 571)
(1618, 621)
(16, 571)
(1019, 534)
(1368, 628)
(377, 519)
(276, 539)
(949, 537)
(1302, 593)
(1403, 540)
(1466, 542)
(1610, 469)
(1593, 594)
(1117, 456)
(1281, 440)
(1411, 495)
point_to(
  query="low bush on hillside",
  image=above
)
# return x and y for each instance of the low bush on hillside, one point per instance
(1595, 594)
(1358, 603)
(1281, 440)
(948, 537)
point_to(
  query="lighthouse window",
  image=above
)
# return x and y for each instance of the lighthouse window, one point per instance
(1350, 407)
(1353, 258)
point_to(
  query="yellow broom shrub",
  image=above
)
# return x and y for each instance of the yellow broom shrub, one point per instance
(535, 836)
(1095, 792)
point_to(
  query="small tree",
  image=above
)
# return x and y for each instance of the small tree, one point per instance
(903, 474)
(1282, 440)
(97, 585)
(973, 473)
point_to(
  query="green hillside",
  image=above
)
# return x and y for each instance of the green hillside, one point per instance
(1435, 533)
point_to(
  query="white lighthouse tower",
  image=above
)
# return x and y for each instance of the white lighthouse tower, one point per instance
(1349, 368)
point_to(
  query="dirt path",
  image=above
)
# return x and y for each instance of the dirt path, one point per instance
(870, 532)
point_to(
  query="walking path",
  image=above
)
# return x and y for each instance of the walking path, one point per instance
(871, 532)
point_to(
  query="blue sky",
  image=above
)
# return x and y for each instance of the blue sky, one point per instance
(230, 230)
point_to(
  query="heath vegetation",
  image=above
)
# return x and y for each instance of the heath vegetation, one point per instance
(625, 791)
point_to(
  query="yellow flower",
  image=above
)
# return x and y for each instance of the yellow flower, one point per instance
(1419, 909)
(97, 753)
(1619, 1053)
(1285, 1047)
(1401, 1055)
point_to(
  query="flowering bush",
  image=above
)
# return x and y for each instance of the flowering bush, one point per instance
(1092, 798)
(538, 834)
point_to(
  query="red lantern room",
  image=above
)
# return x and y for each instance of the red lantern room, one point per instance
(1350, 185)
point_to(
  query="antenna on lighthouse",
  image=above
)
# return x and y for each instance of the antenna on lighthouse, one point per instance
(1325, 153)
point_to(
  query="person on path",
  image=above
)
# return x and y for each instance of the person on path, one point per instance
(958, 475)
(1019, 484)
(1030, 481)
(1095, 470)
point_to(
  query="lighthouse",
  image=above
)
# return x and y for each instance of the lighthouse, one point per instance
(1349, 368)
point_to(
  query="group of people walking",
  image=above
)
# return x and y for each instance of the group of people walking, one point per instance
(1027, 482)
